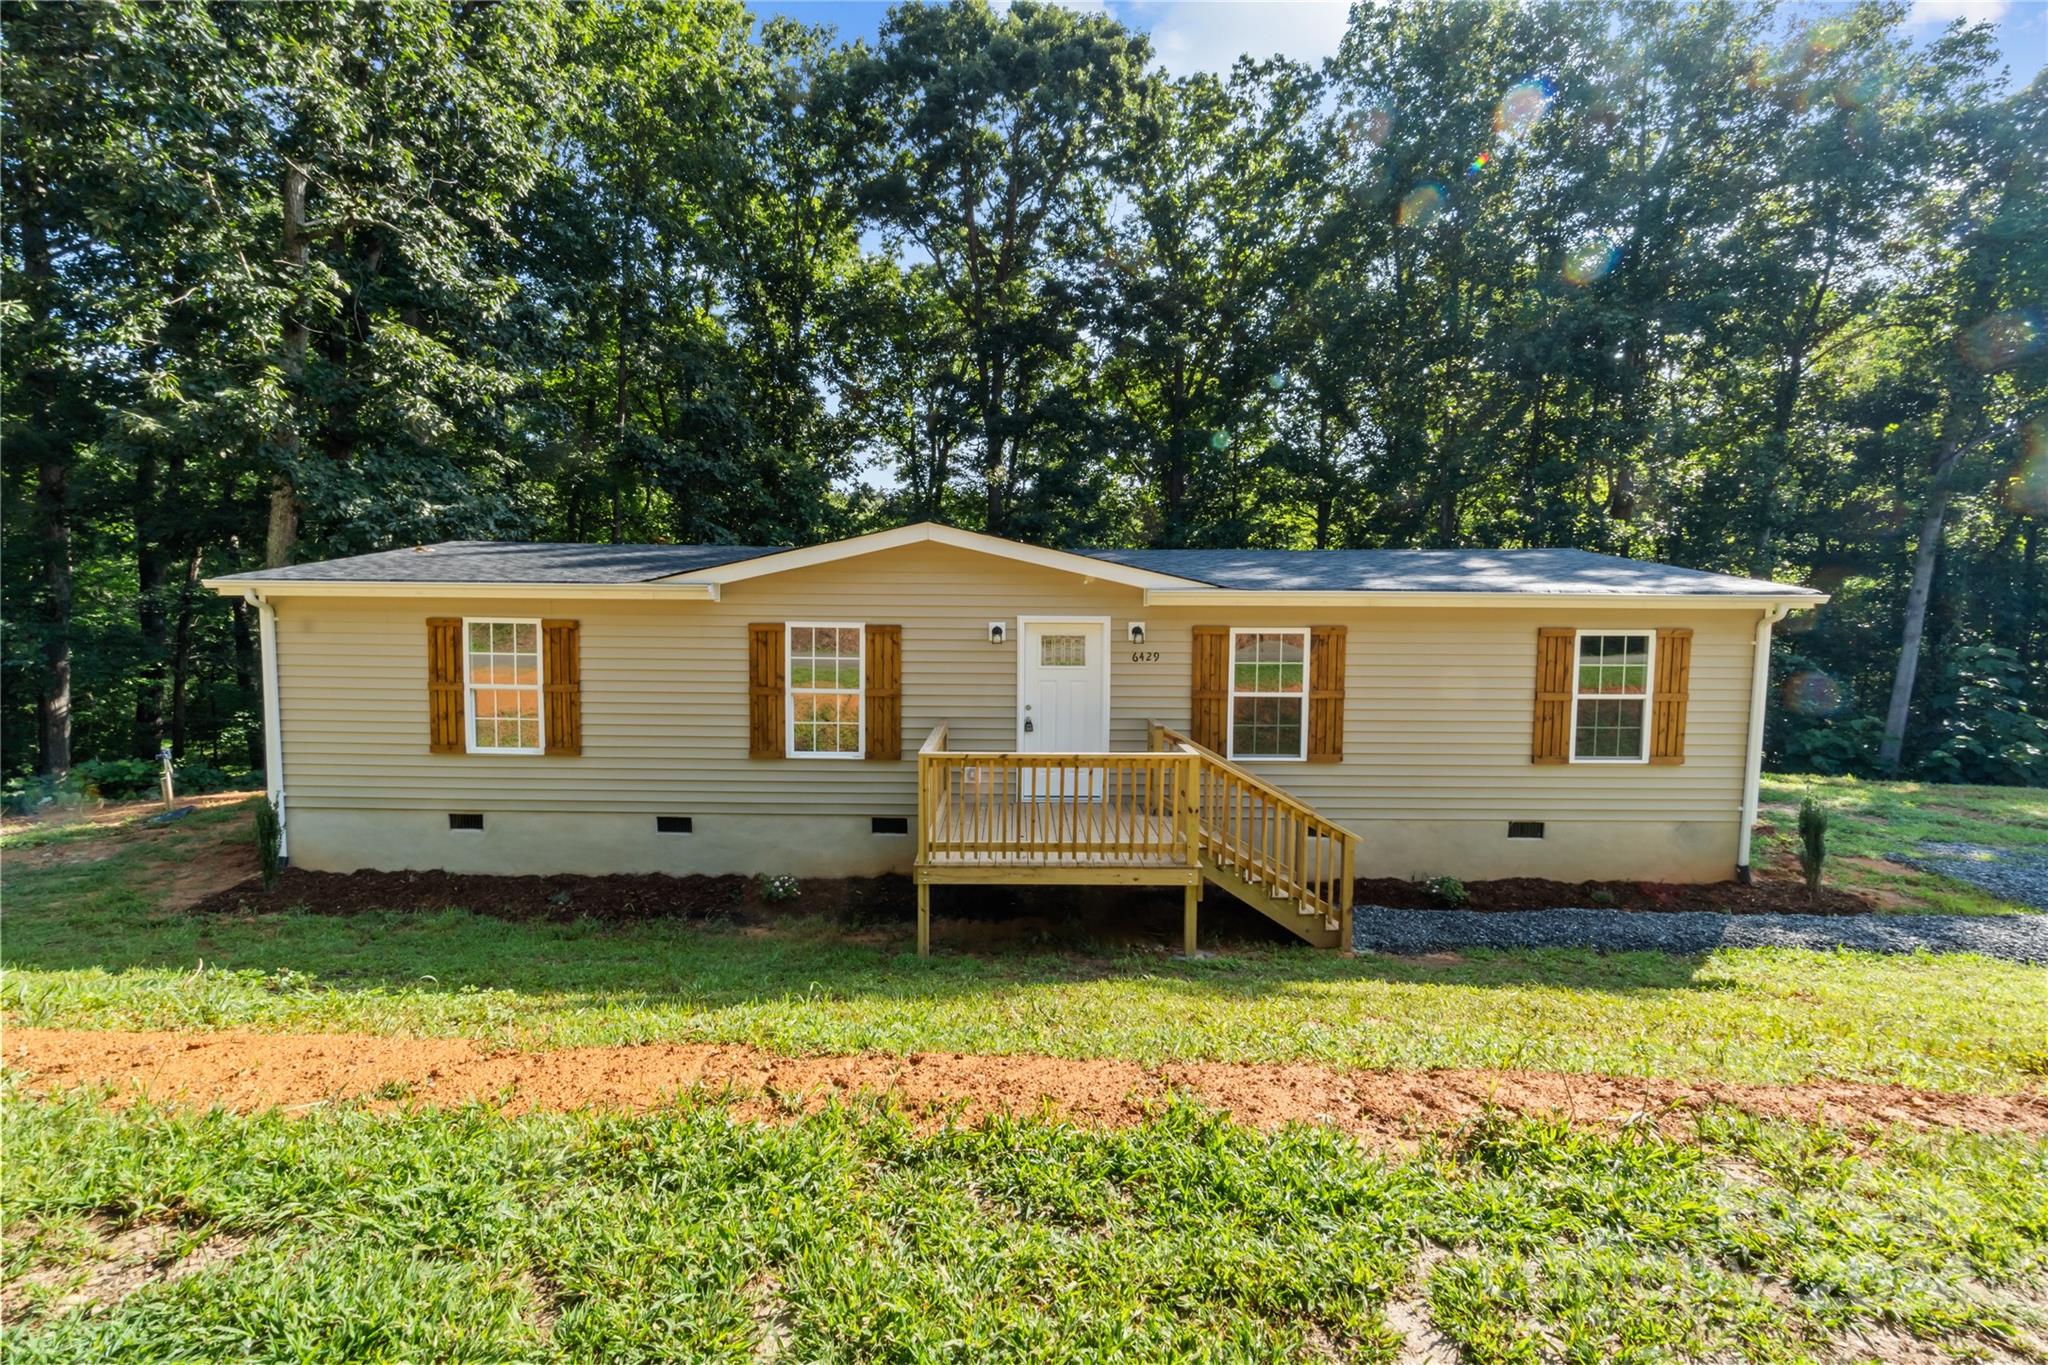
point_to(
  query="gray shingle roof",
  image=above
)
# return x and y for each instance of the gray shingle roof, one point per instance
(497, 561)
(1522, 571)
(1517, 571)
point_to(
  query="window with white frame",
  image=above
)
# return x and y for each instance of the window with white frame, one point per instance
(502, 691)
(1611, 696)
(825, 712)
(1268, 694)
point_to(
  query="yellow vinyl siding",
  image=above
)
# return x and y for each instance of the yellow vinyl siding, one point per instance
(1436, 720)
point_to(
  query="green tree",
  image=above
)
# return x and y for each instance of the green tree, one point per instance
(989, 136)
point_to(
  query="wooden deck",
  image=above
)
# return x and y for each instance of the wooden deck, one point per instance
(1174, 815)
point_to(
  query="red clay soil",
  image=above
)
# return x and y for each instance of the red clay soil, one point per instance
(246, 1071)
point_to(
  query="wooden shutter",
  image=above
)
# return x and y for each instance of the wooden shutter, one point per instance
(1209, 688)
(1669, 695)
(1552, 742)
(561, 674)
(1326, 694)
(764, 691)
(884, 684)
(444, 685)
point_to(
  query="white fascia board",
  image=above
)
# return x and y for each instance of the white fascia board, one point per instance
(930, 532)
(610, 592)
(1330, 597)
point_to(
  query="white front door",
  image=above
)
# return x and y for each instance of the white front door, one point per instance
(1063, 688)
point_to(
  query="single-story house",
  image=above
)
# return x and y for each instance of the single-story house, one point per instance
(1274, 723)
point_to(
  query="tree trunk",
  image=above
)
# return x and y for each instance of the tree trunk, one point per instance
(245, 682)
(53, 513)
(1924, 556)
(151, 576)
(2030, 595)
(53, 482)
(181, 654)
(281, 539)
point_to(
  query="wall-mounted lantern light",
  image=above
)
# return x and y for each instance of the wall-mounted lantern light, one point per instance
(996, 632)
(1137, 632)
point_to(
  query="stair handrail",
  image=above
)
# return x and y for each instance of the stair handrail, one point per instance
(1304, 815)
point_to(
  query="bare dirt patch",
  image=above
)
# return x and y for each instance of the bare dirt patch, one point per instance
(114, 827)
(248, 1071)
(120, 1261)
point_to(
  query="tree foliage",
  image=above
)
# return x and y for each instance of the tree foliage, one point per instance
(1749, 290)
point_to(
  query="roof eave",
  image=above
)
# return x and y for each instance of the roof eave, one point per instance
(239, 586)
(1396, 597)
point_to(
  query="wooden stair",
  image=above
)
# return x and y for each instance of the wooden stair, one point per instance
(1305, 922)
(1268, 848)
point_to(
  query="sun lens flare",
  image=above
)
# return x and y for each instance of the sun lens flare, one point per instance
(1999, 340)
(1422, 205)
(1219, 440)
(1811, 692)
(1522, 106)
(2027, 491)
(1590, 260)
(1370, 127)
(1479, 163)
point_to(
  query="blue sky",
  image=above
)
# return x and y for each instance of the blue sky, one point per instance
(1208, 35)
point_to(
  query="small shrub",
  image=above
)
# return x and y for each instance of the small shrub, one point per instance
(269, 838)
(1813, 843)
(1601, 896)
(1449, 890)
(778, 888)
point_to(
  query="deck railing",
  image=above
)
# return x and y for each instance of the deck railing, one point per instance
(1135, 809)
(1268, 836)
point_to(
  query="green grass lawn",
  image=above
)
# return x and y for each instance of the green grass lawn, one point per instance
(1870, 819)
(847, 1236)
(87, 946)
(354, 1232)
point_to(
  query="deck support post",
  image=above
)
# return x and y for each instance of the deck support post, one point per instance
(924, 919)
(1345, 893)
(1191, 896)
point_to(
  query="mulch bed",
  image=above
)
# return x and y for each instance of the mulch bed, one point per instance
(618, 898)
(626, 898)
(1763, 897)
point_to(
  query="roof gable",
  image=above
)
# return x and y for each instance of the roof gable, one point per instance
(930, 532)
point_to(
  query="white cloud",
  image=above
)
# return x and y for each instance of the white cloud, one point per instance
(1942, 13)
(1209, 35)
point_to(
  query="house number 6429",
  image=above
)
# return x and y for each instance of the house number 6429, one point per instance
(1144, 656)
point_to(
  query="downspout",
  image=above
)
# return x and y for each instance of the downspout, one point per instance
(273, 730)
(1753, 759)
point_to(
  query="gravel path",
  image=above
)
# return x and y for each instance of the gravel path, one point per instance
(2019, 938)
(2007, 874)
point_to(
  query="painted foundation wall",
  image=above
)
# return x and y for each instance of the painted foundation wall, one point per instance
(1436, 741)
